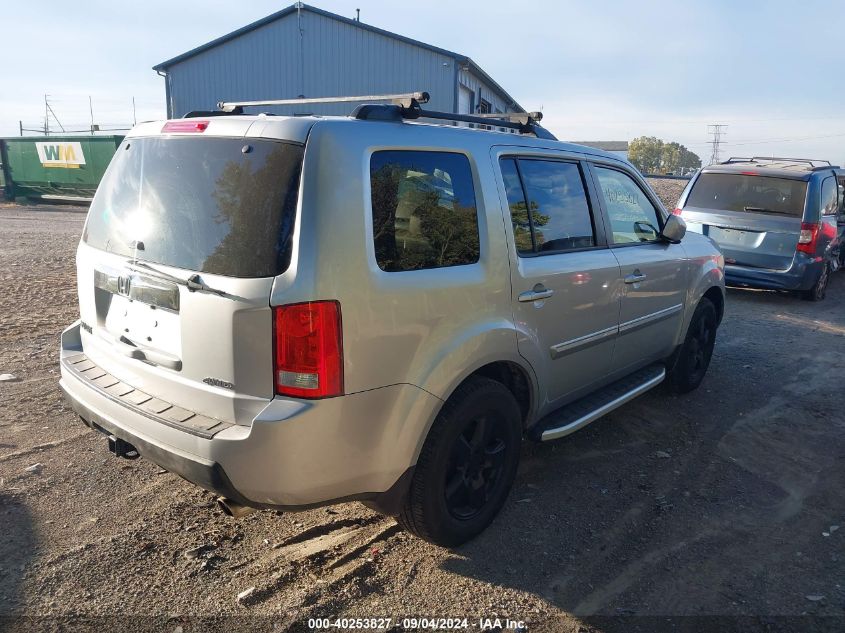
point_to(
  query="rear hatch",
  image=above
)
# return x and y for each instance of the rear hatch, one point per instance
(176, 264)
(755, 220)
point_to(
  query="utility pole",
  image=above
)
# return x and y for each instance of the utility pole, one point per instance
(48, 110)
(55, 118)
(91, 110)
(717, 130)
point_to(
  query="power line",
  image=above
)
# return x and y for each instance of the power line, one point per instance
(716, 130)
(788, 140)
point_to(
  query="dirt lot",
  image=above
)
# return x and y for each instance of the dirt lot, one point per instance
(669, 190)
(725, 502)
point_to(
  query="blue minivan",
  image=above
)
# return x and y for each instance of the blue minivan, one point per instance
(778, 221)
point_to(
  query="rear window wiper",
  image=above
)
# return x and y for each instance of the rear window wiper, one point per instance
(758, 210)
(192, 283)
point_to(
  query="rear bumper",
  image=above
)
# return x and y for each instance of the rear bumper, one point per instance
(800, 276)
(204, 473)
(296, 454)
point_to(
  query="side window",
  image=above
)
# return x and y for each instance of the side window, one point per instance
(424, 210)
(841, 187)
(548, 206)
(519, 210)
(830, 197)
(633, 218)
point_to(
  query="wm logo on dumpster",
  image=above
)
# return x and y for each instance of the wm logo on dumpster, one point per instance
(67, 155)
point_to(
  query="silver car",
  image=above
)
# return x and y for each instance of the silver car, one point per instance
(298, 311)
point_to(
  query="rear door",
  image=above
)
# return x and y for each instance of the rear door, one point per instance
(755, 220)
(654, 272)
(176, 264)
(565, 281)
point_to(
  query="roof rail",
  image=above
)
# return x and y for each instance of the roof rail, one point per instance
(514, 117)
(404, 99)
(523, 122)
(810, 161)
(194, 114)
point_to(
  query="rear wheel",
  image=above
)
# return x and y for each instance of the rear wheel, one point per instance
(466, 466)
(692, 360)
(819, 289)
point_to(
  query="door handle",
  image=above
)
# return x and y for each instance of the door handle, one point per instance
(131, 349)
(635, 277)
(538, 293)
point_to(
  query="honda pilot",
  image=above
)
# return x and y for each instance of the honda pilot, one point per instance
(299, 311)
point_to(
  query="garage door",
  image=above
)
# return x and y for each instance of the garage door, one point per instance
(464, 101)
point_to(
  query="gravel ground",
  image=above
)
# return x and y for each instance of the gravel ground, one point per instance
(668, 190)
(722, 503)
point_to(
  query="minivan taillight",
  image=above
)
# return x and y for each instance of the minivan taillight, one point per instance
(807, 240)
(308, 349)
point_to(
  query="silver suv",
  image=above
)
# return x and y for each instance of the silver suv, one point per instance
(299, 311)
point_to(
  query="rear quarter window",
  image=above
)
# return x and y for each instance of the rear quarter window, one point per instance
(424, 210)
(830, 197)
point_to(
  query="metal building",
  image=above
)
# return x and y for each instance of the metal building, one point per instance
(305, 51)
(618, 148)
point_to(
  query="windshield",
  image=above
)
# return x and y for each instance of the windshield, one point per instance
(215, 205)
(753, 194)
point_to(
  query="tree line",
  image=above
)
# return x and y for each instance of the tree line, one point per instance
(652, 155)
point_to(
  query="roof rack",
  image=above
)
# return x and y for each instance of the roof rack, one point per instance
(403, 106)
(523, 122)
(809, 161)
(405, 99)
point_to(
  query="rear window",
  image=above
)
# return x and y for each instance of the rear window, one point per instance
(215, 205)
(753, 194)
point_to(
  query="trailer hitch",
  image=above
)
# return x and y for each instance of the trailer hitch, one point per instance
(122, 449)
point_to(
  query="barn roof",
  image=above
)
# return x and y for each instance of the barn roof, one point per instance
(608, 146)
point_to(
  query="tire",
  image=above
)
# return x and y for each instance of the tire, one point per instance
(467, 464)
(693, 358)
(819, 290)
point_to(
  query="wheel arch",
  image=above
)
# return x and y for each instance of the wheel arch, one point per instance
(513, 376)
(717, 297)
(487, 348)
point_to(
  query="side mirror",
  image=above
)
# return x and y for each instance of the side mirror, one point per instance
(674, 229)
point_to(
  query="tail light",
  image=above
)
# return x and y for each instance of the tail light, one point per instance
(809, 235)
(677, 211)
(828, 229)
(308, 349)
(185, 125)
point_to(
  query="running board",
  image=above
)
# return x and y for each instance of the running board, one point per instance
(593, 406)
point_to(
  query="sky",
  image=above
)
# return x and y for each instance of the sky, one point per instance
(608, 70)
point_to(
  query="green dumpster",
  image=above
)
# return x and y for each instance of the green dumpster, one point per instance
(5, 190)
(57, 167)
